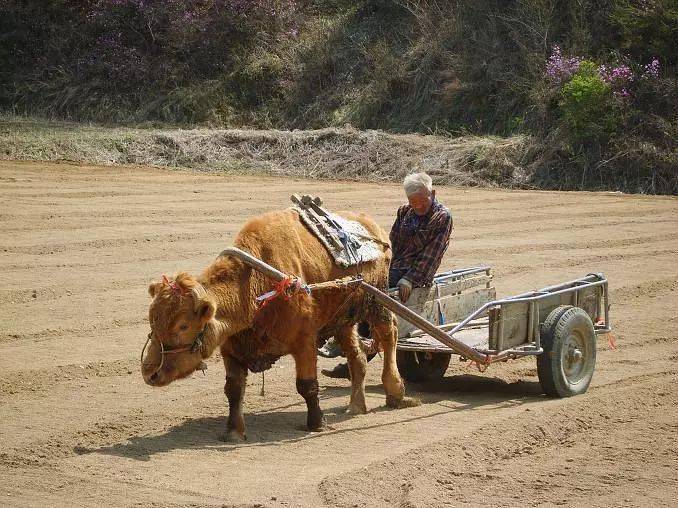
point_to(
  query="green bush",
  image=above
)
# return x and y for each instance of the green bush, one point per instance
(587, 106)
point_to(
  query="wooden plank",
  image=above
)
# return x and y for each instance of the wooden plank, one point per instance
(588, 298)
(458, 307)
(515, 321)
(457, 299)
(448, 326)
(427, 349)
(419, 302)
(473, 337)
(454, 286)
(318, 220)
(547, 304)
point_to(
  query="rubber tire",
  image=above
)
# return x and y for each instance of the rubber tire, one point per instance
(555, 330)
(422, 370)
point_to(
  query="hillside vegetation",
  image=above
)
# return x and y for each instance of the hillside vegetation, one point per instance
(588, 86)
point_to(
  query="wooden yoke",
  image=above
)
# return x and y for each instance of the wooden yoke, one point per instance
(311, 207)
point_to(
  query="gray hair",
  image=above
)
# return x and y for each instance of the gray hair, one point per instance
(417, 182)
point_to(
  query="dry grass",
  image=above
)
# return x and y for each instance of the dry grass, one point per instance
(344, 153)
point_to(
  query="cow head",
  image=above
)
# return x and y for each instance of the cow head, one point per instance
(180, 316)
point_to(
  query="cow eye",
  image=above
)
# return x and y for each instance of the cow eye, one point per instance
(183, 327)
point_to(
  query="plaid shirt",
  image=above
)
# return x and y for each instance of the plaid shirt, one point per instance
(418, 243)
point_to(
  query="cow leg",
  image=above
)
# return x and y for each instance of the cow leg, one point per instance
(236, 380)
(307, 384)
(357, 365)
(385, 332)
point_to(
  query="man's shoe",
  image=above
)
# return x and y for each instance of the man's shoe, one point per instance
(331, 349)
(339, 372)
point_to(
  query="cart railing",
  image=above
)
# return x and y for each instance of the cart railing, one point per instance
(445, 277)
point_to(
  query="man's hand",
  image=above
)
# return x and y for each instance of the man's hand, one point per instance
(404, 289)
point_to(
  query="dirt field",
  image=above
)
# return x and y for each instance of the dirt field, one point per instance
(79, 427)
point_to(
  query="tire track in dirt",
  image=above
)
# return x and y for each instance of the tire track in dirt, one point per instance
(184, 202)
(651, 288)
(141, 220)
(149, 254)
(600, 258)
(578, 245)
(40, 381)
(540, 213)
(101, 244)
(151, 207)
(70, 287)
(51, 293)
(541, 228)
(623, 343)
(536, 200)
(66, 334)
(68, 195)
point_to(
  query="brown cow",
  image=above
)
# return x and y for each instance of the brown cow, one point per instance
(191, 317)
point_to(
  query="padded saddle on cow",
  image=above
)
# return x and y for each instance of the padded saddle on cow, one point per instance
(347, 241)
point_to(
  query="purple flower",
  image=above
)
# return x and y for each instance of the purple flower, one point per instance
(616, 77)
(560, 68)
(619, 78)
(651, 70)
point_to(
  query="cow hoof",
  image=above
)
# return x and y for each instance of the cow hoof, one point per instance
(401, 403)
(232, 436)
(356, 409)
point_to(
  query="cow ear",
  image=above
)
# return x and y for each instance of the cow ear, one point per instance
(154, 288)
(205, 309)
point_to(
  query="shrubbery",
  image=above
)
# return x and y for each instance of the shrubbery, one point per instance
(604, 124)
(587, 105)
(602, 105)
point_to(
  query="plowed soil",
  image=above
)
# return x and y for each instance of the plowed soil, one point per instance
(79, 245)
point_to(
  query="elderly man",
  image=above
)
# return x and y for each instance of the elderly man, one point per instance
(419, 238)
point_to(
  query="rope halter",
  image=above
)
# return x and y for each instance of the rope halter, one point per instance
(194, 347)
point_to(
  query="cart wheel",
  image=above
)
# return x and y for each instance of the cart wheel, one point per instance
(418, 366)
(565, 368)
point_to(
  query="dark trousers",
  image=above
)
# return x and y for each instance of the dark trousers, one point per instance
(394, 275)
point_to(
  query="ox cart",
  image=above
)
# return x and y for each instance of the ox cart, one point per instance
(460, 314)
